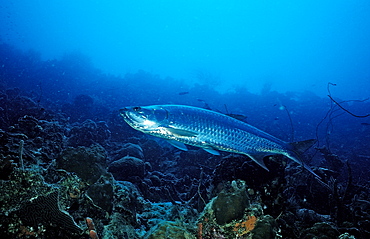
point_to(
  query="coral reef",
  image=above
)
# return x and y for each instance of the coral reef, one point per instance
(71, 168)
(168, 229)
(42, 214)
(248, 222)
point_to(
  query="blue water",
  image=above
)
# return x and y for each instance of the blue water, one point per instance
(290, 46)
(268, 61)
(76, 63)
(251, 58)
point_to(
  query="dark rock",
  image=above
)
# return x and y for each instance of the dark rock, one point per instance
(265, 228)
(320, 230)
(156, 181)
(14, 106)
(127, 167)
(152, 148)
(128, 201)
(148, 167)
(230, 203)
(88, 163)
(168, 229)
(101, 192)
(29, 125)
(83, 104)
(90, 132)
(128, 149)
(7, 166)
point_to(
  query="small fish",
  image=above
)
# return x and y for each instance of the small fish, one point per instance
(206, 105)
(184, 93)
(238, 116)
(210, 130)
(235, 116)
(366, 124)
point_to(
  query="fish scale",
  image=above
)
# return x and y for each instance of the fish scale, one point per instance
(226, 132)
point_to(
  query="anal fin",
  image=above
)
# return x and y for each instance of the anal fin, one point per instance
(258, 158)
(212, 151)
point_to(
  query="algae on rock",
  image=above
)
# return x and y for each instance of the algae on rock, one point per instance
(230, 203)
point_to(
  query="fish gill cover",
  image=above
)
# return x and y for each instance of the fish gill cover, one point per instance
(70, 166)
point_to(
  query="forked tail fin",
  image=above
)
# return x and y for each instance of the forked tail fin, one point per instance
(298, 148)
(301, 146)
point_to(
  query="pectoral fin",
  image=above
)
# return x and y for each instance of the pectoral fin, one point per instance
(181, 132)
(178, 144)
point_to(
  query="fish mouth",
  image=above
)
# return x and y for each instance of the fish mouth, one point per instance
(131, 117)
(128, 115)
(123, 112)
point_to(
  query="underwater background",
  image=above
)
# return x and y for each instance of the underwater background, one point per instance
(70, 167)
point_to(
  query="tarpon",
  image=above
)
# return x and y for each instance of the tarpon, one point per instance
(186, 125)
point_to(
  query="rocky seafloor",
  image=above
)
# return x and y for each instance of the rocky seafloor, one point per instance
(97, 179)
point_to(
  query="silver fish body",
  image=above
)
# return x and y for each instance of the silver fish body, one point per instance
(209, 130)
